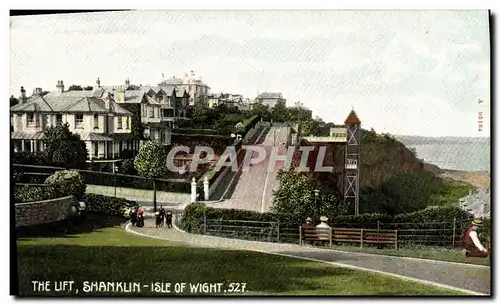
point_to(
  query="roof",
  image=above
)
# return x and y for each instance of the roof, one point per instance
(134, 96)
(19, 135)
(38, 104)
(352, 118)
(91, 136)
(270, 95)
(69, 101)
(171, 81)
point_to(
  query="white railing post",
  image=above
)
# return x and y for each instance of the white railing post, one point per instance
(193, 190)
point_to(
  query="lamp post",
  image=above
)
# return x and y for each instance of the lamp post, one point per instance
(316, 194)
(298, 104)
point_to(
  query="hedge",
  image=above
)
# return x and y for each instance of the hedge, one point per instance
(30, 193)
(106, 205)
(412, 227)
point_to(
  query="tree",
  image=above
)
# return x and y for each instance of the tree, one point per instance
(309, 127)
(150, 162)
(75, 88)
(261, 110)
(88, 88)
(280, 113)
(413, 191)
(295, 197)
(64, 148)
(13, 101)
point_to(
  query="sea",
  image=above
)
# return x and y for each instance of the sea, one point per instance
(456, 153)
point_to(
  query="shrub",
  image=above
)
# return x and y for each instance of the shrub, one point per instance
(106, 205)
(71, 181)
(30, 193)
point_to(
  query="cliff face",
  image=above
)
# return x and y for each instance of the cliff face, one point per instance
(381, 157)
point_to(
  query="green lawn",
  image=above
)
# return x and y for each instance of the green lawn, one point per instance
(111, 254)
(434, 253)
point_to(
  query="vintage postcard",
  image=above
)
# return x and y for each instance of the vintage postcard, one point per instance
(250, 153)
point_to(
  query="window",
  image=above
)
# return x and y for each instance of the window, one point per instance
(151, 112)
(96, 121)
(119, 126)
(59, 121)
(78, 120)
(30, 119)
(127, 122)
(96, 149)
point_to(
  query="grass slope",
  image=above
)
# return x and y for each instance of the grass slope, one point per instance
(110, 254)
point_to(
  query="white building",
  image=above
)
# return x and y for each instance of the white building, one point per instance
(195, 87)
(104, 125)
(270, 99)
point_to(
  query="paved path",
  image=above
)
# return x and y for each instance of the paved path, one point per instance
(255, 184)
(468, 278)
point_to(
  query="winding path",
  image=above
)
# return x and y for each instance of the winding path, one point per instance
(473, 279)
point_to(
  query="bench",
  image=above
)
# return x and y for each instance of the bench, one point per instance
(315, 234)
(348, 235)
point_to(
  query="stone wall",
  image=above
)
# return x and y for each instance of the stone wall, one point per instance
(38, 212)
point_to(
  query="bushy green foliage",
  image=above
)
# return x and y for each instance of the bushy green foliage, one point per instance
(71, 181)
(34, 158)
(413, 191)
(127, 167)
(30, 193)
(107, 205)
(137, 129)
(296, 198)
(64, 148)
(151, 160)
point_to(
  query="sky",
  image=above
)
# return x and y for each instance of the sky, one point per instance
(403, 72)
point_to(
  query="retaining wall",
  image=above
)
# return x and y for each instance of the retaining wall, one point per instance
(45, 211)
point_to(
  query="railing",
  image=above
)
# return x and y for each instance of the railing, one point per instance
(38, 173)
(442, 234)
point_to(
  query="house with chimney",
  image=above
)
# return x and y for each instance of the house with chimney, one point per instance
(101, 122)
(160, 108)
(197, 90)
(270, 99)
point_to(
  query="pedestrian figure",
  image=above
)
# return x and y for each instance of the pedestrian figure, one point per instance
(133, 216)
(169, 219)
(471, 243)
(158, 219)
(323, 226)
(162, 215)
(308, 225)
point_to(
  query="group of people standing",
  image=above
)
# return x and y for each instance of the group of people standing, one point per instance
(163, 218)
(136, 217)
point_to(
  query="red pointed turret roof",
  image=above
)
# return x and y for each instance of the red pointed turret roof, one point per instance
(352, 118)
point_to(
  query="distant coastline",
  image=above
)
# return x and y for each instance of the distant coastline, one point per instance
(420, 140)
(471, 154)
(479, 179)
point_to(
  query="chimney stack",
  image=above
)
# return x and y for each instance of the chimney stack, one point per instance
(127, 83)
(22, 98)
(60, 86)
(98, 82)
(37, 91)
